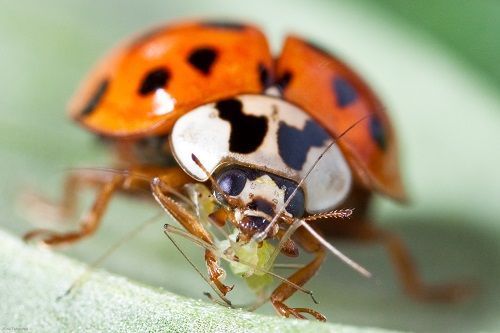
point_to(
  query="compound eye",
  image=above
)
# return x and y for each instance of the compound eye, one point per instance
(296, 205)
(232, 181)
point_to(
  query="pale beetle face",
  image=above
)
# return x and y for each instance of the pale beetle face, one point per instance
(260, 196)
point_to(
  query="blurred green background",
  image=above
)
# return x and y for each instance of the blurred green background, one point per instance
(435, 65)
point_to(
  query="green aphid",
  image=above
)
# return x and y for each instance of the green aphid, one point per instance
(257, 258)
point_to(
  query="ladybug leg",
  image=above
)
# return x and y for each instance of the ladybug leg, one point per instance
(300, 277)
(215, 272)
(406, 268)
(89, 223)
(193, 226)
(40, 208)
(409, 276)
(108, 183)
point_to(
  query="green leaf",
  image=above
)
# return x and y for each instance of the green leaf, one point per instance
(31, 280)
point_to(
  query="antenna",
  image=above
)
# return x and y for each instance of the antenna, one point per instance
(344, 213)
(360, 269)
(262, 235)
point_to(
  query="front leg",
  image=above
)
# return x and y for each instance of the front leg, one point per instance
(193, 226)
(88, 224)
(300, 277)
(108, 183)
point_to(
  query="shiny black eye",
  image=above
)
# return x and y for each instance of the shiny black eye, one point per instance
(232, 181)
(296, 206)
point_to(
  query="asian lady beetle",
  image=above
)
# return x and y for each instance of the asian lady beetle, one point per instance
(222, 133)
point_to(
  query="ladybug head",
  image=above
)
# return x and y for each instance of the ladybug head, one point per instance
(258, 195)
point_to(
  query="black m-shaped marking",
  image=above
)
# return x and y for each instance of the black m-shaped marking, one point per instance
(247, 131)
(294, 144)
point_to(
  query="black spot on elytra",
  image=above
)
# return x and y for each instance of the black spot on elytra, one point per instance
(155, 79)
(264, 76)
(96, 98)
(283, 81)
(344, 92)
(247, 131)
(203, 58)
(377, 132)
(228, 25)
(294, 144)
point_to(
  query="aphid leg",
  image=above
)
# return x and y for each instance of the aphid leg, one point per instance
(193, 226)
(406, 269)
(108, 182)
(300, 277)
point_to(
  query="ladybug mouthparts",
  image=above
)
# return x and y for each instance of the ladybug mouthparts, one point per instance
(260, 194)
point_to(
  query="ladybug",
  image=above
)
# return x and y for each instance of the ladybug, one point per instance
(231, 140)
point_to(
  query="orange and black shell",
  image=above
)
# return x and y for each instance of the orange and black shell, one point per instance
(194, 63)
